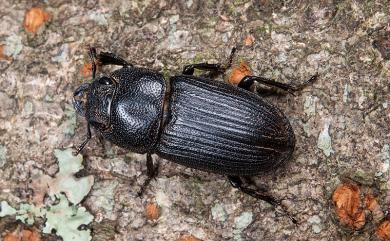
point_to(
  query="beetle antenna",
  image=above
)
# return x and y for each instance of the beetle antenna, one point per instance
(231, 56)
(81, 147)
(92, 56)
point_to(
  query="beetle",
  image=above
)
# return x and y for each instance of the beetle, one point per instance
(191, 120)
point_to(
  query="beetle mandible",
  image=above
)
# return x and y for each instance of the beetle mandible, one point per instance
(193, 121)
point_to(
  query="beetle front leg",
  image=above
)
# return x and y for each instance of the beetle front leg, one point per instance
(248, 81)
(236, 182)
(152, 171)
(89, 135)
(107, 58)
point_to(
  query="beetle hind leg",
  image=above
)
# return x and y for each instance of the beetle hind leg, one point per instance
(236, 182)
(248, 81)
(152, 171)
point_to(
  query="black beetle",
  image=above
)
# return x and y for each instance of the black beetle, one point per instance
(193, 121)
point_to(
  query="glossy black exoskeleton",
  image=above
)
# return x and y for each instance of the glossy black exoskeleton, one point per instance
(193, 121)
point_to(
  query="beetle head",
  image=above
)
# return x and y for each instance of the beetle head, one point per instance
(97, 108)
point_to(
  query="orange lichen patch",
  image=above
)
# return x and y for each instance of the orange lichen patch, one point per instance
(383, 230)
(152, 211)
(34, 19)
(30, 235)
(346, 198)
(239, 72)
(188, 238)
(371, 203)
(3, 56)
(86, 70)
(12, 237)
(249, 40)
(23, 235)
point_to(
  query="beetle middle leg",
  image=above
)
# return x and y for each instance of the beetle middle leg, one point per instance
(152, 171)
(236, 182)
(214, 69)
(248, 81)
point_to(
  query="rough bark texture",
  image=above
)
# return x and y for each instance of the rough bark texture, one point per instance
(341, 121)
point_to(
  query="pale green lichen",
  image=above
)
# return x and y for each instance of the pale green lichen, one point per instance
(6, 209)
(66, 220)
(27, 213)
(13, 45)
(241, 223)
(3, 155)
(63, 54)
(309, 107)
(324, 140)
(64, 217)
(347, 90)
(219, 213)
(65, 181)
(385, 160)
(315, 220)
(70, 122)
(103, 195)
(99, 18)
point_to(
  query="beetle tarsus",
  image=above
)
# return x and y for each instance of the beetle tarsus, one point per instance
(152, 171)
(236, 182)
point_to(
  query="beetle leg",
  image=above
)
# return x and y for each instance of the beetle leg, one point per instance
(152, 171)
(236, 182)
(106, 58)
(81, 147)
(214, 69)
(247, 82)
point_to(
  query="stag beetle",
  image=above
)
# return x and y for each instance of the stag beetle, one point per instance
(193, 121)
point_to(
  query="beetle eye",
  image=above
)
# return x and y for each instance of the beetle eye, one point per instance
(105, 81)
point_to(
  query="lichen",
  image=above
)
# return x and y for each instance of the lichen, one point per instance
(309, 106)
(324, 140)
(64, 181)
(67, 219)
(219, 213)
(13, 45)
(241, 223)
(6, 209)
(3, 155)
(99, 18)
(385, 158)
(70, 122)
(28, 212)
(315, 221)
(103, 196)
